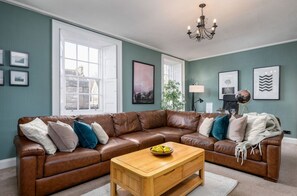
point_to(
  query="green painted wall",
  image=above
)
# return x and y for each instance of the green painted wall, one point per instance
(134, 52)
(23, 30)
(205, 72)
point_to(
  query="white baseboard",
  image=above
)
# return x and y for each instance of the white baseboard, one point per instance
(6, 163)
(290, 140)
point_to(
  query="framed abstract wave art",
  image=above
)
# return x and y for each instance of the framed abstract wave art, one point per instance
(266, 83)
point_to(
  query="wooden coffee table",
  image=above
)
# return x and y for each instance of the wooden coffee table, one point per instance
(142, 173)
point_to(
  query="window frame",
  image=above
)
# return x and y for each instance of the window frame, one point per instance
(182, 62)
(57, 26)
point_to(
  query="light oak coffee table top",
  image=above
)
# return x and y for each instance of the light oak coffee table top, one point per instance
(143, 173)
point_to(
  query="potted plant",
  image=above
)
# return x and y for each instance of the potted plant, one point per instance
(172, 98)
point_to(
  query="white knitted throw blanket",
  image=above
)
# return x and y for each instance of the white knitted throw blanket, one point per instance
(272, 129)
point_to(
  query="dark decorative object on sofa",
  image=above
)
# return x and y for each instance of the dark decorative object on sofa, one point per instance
(41, 174)
(143, 83)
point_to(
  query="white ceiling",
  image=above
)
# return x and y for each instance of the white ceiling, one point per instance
(162, 24)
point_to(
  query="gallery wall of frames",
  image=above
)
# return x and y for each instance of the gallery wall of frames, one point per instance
(17, 74)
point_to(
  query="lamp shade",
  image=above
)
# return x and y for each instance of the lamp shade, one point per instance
(196, 89)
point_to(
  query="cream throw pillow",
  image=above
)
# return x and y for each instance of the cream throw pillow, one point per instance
(236, 129)
(255, 125)
(63, 136)
(36, 130)
(100, 133)
(206, 126)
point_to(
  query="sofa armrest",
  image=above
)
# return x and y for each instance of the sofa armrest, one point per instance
(25, 147)
(271, 149)
(276, 140)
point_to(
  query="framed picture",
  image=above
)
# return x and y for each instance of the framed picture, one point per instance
(1, 57)
(1, 77)
(266, 81)
(19, 59)
(18, 78)
(143, 83)
(228, 83)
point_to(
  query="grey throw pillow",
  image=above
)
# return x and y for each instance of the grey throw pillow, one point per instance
(236, 129)
(63, 136)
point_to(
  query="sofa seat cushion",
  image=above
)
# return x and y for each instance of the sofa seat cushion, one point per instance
(144, 139)
(170, 133)
(228, 147)
(65, 161)
(198, 140)
(116, 147)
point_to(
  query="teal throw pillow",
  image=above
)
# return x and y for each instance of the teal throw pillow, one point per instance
(86, 136)
(220, 127)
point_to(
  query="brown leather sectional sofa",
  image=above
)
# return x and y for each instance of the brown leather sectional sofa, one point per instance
(42, 174)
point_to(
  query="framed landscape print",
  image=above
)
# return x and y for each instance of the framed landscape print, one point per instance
(143, 83)
(1, 57)
(266, 82)
(228, 83)
(19, 59)
(18, 78)
(1, 77)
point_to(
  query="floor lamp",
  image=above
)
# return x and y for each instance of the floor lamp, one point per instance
(196, 89)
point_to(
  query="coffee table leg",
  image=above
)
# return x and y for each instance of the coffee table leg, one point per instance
(113, 188)
(202, 175)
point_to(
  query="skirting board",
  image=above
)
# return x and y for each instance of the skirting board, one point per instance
(290, 140)
(6, 163)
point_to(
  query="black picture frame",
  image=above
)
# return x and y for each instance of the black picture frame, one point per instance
(2, 77)
(266, 82)
(18, 78)
(228, 83)
(143, 83)
(1, 57)
(19, 59)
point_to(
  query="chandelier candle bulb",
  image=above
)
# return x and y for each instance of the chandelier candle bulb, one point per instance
(189, 28)
(214, 21)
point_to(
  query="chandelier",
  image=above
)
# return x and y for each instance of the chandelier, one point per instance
(202, 32)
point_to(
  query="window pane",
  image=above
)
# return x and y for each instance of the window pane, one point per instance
(94, 102)
(71, 102)
(84, 86)
(71, 85)
(70, 50)
(70, 67)
(83, 69)
(83, 102)
(93, 55)
(94, 86)
(93, 70)
(82, 53)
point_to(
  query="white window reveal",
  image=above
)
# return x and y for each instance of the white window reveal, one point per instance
(173, 69)
(86, 68)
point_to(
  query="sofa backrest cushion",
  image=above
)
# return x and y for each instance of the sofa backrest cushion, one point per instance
(152, 119)
(65, 119)
(105, 120)
(183, 120)
(126, 123)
